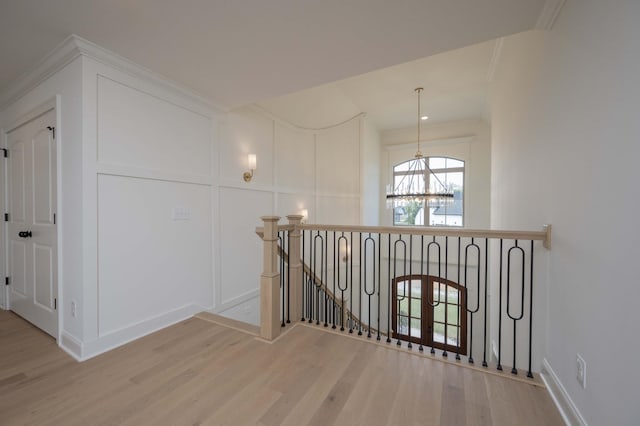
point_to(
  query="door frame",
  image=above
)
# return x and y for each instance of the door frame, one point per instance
(54, 104)
(426, 312)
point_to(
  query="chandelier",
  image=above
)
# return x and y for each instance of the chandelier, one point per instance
(418, 183)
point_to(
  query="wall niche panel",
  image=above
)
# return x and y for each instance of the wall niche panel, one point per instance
(295, 166)
(293, 204)
(338, 210)
(248, 133)
(139, 130)
(154, 249)
(338, 159)
(241, 248)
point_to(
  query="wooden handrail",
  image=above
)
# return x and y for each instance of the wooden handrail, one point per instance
(544, 235)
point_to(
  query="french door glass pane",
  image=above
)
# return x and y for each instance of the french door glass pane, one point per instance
(452, 335)
(416, 327)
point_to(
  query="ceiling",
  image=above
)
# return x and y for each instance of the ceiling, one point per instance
(238, 52)
(456, 85)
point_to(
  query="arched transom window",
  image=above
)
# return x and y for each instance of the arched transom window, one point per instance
(450, 172)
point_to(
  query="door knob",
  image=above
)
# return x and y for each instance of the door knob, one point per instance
(25, 234)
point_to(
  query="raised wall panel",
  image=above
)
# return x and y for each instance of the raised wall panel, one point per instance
(338, 160)
(43, 275)
(139, 130)
(295, 153)
(42, 178)
(338, 210)
(240, 247)
(18, 267)
(154, 249)
(17, 187)
(294, 203)
(247, 133)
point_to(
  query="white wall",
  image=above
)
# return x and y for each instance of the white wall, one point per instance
(467, 140)
(147, 156)
(297, 168)
(564, 149)
(132, 148)
(66, 84)
(370, 177)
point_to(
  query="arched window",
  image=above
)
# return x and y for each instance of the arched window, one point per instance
(431, 311)
(450, 172)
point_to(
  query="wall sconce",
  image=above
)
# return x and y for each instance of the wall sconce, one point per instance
(251, 159)
(305, 215)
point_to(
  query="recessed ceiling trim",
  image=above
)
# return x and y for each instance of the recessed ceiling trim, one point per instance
(495, 59)
(549, 14)
(294, 126)
(397, 146)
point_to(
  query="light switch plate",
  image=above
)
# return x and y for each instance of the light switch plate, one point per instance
(181, 213)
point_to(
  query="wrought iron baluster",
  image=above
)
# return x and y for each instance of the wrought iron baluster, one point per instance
(399, 299)
(486, 281)
(343, 288)
(389, 288)
(499, 366)
(379, 284)
(373, 291)
(360, 285)
(515, 318)
(476, 248)
(460, 311)
(433, 304)
(529, 373)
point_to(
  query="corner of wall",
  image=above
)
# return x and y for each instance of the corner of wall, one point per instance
(568, 409)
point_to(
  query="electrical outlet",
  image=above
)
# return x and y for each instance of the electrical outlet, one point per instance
(581, 373)
(73, 308)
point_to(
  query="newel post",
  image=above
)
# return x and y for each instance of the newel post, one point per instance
(295, 268)
(270, 281)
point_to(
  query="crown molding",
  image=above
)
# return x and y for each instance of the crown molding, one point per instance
(73, 47)
(549, 14)
(495, 58)
(54, 61)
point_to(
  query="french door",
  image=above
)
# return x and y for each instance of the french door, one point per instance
(431, 311)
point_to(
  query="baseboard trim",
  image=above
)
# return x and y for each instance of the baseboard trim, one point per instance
(71, 345)
(568, 410)
(118, 338)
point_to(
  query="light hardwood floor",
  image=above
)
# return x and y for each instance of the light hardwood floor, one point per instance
(200, 372)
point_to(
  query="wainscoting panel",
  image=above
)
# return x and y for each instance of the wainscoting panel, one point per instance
(165, 137)
(240, 247)
(154, 249)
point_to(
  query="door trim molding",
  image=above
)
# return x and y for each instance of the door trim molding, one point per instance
(53, 103)
(36, 112)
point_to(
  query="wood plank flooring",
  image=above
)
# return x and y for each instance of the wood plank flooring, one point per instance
(200, 372)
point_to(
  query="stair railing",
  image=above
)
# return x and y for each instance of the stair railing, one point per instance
(459, 292)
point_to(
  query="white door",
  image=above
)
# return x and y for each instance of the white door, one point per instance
(31, 230)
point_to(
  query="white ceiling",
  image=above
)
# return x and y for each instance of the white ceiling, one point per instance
(455, 86)
(235, 52)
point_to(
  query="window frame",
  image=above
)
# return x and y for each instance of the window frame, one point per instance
(427, 314)
(427, 178)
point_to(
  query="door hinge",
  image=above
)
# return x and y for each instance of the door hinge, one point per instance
(53, 130)
(5, 152)
(6, 217)
(55, 303)
(54, 218)
(6, 280)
